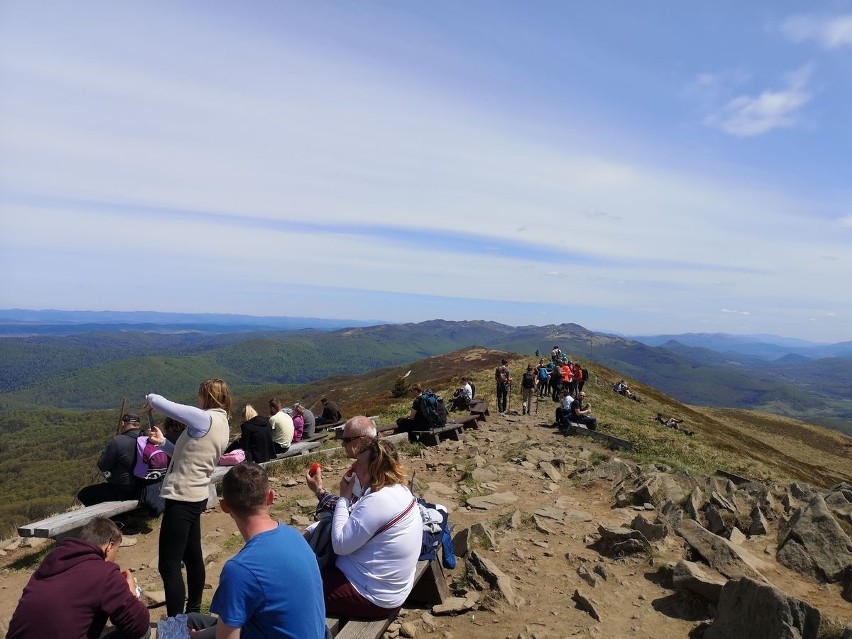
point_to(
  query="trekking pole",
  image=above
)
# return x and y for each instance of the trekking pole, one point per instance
(123, 406)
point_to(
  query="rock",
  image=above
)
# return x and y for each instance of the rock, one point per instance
(550, 470)
(718, 552)
(481, 475)
(617, 540)
(153, 598)
(847, 632)
(589, 577)
(846, 593)
(601, 570)
(451, 606)
(614, 470)
(516, 520)
(839, 506)
(736, 537)
(813, 533)
(692, 577)
(126, 542)
(758, 526)
(37, 542)
(13, 544)
(576, 516)
(408, 629)
(802, 493)
(429, 622)
(752, 610)
(722, 502)
(694, 503)
(555, 514)
(587, 605)
(491, 501)
(651, 531)
(307, 504)
(540, 526)
(467, 539)
(499, 582)
(719, 522)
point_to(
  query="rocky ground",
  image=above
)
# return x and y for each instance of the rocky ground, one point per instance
(565, 538)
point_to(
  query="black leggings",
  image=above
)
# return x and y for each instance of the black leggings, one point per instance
(180, 542)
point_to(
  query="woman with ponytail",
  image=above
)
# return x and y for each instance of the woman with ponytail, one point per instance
(376, 530)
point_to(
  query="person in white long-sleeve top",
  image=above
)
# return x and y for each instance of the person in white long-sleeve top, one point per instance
(186, 488)
(377, 530)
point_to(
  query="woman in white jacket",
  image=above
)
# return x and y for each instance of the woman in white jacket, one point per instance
(377, 531)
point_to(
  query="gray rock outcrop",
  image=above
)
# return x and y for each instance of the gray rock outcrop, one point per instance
(718, 552)
(815, 544)
(692, 577)
(752, 610)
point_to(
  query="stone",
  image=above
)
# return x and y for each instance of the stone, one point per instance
(451, 606)
(718, 552)
(722, 501)
(498, 581)
(481, 475)
(36, 542)
(307, 504)
(736, 536)
(601, 570)
(408, 629)
(429, 622)
(126, 542)
(13, 544)
(752, 610)
(802, 493)
(717, 523)
(759, 525)
(468, 538)
(812, 531)
(846, 593)
(586, 605)
(153, 598)
(617, 540)
(540, 526)
(651, 531)
(516, 520)
(550, 470)
(555, 514)
(589, 577)
(694, 503)
(692, 577)
(487, 502)
(839, 506)
(613, 470)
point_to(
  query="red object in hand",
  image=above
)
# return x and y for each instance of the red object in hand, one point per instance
(314, 468)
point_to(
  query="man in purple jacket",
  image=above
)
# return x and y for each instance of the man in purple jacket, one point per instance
(77, 588)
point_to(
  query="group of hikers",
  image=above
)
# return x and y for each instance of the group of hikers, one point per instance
(376, 532)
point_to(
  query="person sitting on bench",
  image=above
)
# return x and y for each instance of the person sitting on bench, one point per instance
(272, 586)
(563, 411)
(77, 587)
(416, 419)
(330, 413)
(308, 418)
(282, 426)
(463, 396)
(117, 463)
(377, 537)
(581, 414)
(255, 437)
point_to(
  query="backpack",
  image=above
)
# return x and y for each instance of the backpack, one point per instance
(432, 409)
(151, 460)
(503, 376)
(320, 541)
(585, 374)
(528, 381)
(542, 374)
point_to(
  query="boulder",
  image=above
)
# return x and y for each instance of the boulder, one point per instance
(657, 489)
(614, 470)
(814, 533)
(486, 502)
(497, 580)
(585, 604)
(694, 503)
(752, 610)
(617, 540)
(651, 531)
(759, 525)
(692, 577)
(717, 522)
(718, 552)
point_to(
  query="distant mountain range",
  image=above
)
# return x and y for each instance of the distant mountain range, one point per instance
(94, 369)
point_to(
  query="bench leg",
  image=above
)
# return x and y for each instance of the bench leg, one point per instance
(432, 588)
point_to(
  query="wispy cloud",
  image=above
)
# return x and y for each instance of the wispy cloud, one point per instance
(830, 32)
(733, 312)
(748, 116)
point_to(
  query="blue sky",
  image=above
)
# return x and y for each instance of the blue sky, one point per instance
(631, 167)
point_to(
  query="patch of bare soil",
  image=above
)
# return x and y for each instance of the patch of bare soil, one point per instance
(540, 553)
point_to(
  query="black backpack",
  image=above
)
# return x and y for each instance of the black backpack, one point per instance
(528, 380)
(432, 409)
(585, 374)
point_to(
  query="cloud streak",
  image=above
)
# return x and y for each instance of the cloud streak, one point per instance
(829, 32)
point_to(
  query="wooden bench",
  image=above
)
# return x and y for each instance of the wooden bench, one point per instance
(295, 450)
(74, 519)
(431, 437)
(337, 424)
(610, 440)
(430, 588)
(480, 410)
(316, 437)
(469, 422)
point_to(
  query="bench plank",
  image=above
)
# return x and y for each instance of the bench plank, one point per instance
(609, 440)
(432, 437)
(58, 524)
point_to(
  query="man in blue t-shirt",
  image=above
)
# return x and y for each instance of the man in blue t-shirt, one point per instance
(272, 587)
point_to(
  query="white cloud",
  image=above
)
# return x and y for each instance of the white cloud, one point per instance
(846, 221)
(747, 116)
(830, 32)
(733, 312)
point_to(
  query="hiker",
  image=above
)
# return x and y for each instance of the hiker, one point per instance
(330, 413)
(583, 377)
(576, 372)
(555, 381)
(282, 426)
(543, 378)
(462, 396)
(563, 411)
(298, 425)
(77, 587)
(467, 389)
(527, 390)
(416, 419)
(255, 437)
(117, 463)
(504, 382)
(308, 419)
(556, 355)
(581, 414)
(378, 536)
(186, 488)
(272, 586)
(567, 376)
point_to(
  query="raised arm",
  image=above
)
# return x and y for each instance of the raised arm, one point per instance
(197, 421)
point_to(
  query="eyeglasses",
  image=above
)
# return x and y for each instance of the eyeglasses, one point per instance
(347, 440)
